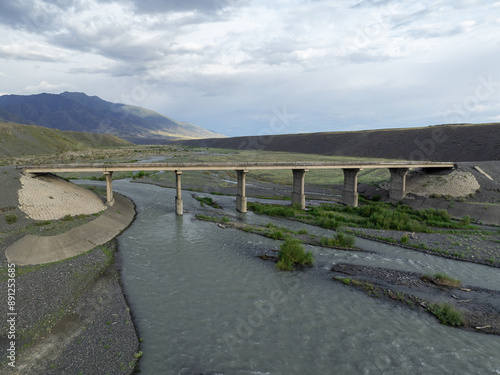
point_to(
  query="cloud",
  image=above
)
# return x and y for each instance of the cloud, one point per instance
(222, 62)
(14, 12)
(31, 15)
(201, 6)
(32, 52)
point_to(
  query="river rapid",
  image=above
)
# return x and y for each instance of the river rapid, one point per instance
(204, 303)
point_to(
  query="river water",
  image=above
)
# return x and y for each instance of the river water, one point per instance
(204, 304)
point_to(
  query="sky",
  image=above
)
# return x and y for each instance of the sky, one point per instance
(255, 67)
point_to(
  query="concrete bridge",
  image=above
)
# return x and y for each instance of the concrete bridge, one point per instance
(398, 170)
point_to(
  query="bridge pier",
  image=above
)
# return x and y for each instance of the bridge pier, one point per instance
(350, 192)
(398, 183)
(241, 199)
(298, 195)
(110, 200)
(179, 206)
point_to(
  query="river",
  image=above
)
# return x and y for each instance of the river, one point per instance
(204, 304)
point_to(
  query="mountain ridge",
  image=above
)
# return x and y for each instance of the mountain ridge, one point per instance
(449, 143)
(75, 111)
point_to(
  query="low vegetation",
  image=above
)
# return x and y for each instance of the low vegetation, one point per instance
(292, 254)
(207, 201)
(213, 219)
(442, 279)
(340, 240)
(372, 215)
(11, 219)
(447, 314)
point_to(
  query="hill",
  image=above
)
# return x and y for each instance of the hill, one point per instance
(17, 140)
(465, 142)
(80, 112)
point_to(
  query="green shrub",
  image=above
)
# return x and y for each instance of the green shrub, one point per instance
(325, 241)
(345, 240)
(405, 239)
(328, 223)
(276, 234)
(11, 218)
(447, 314)
(68, 218)
(292, 253)
(341, 240)
(465, 221)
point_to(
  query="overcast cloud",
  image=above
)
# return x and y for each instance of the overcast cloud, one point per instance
(242, 67)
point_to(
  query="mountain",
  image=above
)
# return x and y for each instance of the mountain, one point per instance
(80, 112)
(18, 140)
(453, 143)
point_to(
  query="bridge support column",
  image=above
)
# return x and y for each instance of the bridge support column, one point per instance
(179, 206)
(398, 183)
(350, 192)
(298, 195)
(110, 200)
(241, 199)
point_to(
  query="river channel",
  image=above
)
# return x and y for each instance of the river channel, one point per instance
(204, 303)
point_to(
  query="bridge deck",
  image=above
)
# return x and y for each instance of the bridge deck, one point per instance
(124, 167)
(398, 170)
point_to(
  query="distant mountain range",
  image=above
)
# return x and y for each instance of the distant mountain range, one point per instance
(452, 143)
(79, 112)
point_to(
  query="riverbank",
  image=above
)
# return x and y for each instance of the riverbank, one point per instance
(73, 318)
(72, 315)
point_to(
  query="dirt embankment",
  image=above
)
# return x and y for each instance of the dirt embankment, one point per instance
(437, 143)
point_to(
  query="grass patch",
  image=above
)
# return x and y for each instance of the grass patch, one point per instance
(344, 280)
(11, 219)
(291, 254)
(447, 314)
(272, 209)
(207, 201)
(213, 219)
(110, 255)
(43, 223)
(443, 279)
(276, 234)
(340, 240)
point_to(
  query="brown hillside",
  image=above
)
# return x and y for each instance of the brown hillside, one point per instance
(465, 142)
